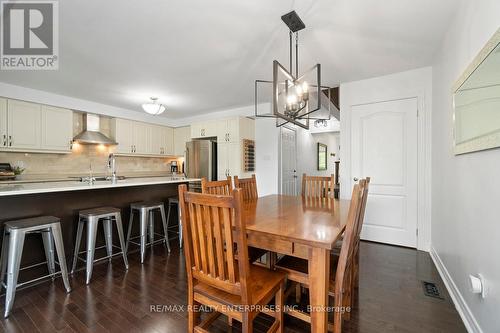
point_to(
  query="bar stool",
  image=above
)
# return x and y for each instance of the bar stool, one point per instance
(174, 201)
(146, 218)
(12, 249)
(92, 217)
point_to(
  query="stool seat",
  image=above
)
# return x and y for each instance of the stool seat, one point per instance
(31, 222)
(146, 205)
(99, 211)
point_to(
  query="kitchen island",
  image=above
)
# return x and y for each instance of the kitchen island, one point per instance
(66, 199)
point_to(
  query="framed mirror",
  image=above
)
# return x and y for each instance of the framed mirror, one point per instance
(476, 102)
(322, 153)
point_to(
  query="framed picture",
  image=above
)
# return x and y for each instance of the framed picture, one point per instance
(322, 153)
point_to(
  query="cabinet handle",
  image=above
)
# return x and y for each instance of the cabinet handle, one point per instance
(5, 140)
(132, 148)
(10, 140)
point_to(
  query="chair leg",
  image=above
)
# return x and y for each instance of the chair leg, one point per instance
(48, 245)
(108, 236)
(347, 297)
(91, 236)
(180, 225)
(247, 323)
(16, 243)
(61, 257)
(3, 260)
(165, 227)
(298, 292)
(119, 229)
(143, 223)
(78, 241)
(356, 270)
(280, 303)
(130, 221)
(193, 316)
(151, 224)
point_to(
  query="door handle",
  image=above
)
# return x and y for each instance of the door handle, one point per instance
(355, 179)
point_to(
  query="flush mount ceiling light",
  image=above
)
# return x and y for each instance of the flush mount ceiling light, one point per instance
(295, 99)
(154, 107)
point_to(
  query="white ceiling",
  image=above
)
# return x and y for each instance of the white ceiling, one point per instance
(202, 56)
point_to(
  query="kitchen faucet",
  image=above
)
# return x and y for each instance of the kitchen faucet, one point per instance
(112, 166)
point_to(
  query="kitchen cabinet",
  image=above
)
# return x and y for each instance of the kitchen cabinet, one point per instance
(3, 123)
(142, 139)
(181, 136)
(32, 127)
(204, 129)
(228, 160)
(57, 128)
(122, 133)
(228, 130)
(23, 125)
(166, 140)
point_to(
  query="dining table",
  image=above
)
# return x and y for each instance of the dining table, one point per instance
(302, 227)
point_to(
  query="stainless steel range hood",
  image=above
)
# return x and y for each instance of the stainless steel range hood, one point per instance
(90, 134)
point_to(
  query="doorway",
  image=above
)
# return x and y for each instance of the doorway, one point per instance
(288, 161)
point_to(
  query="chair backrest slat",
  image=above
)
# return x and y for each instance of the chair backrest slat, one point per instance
(248, 186)
(211, 225)
(317, 186)
(218, 187)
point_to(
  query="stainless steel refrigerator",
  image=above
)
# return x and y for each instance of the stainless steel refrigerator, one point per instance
(201, 159)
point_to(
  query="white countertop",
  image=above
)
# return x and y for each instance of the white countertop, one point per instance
(49, 187)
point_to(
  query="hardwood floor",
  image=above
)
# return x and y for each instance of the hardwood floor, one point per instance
(390, 298)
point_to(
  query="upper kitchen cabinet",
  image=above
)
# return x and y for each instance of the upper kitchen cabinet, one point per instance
(3, 123)
(181, 136)
(228, 130)
(204, 129)
(122, 133)
(31, 127)
(57, 128)
(142, 139)
(23, 125)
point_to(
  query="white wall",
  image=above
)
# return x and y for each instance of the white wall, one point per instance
(414, 83)
(307, 152)
(267, 157)
(465, 188)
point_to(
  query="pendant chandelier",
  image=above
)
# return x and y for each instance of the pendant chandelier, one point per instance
(292, 98)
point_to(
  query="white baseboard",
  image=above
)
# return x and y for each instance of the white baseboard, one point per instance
(463, 310)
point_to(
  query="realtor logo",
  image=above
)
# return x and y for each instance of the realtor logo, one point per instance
(29, 37)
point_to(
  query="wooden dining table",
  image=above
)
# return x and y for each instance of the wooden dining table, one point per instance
(306, 228)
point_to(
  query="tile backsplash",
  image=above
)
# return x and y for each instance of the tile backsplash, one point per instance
(80, 160)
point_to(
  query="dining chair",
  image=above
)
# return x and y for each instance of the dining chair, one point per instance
(220, 187)
(341, 267)
(216, 279)
(249, 193)
(317, 186)
(248, 187)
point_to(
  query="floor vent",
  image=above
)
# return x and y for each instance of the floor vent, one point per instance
(431, 290)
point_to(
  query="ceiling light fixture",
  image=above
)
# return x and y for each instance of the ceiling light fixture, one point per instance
(295, 98)
(153, 107)
(320, 123)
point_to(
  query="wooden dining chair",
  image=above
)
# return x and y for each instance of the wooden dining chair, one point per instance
(248, 187)
(341, 268)
(220, 187)
(317, 187)
(236, 288)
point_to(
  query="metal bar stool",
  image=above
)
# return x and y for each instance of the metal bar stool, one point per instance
(174, 201)
(146, 218)
(92, 217)
(12, 249)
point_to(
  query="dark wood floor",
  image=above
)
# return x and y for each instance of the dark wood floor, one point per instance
(390, 298)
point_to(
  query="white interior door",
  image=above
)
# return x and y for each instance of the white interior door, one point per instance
(384, 147)
(288, 161)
